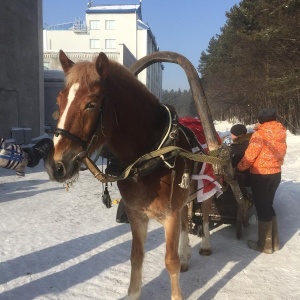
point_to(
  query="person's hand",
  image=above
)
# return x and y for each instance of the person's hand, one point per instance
(237, 173)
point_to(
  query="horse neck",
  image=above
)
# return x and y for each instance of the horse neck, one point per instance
(137, 123)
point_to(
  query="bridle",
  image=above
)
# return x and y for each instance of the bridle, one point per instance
(84, 156)
(86, 144)
(72, 137)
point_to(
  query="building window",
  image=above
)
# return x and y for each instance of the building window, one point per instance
(94, 24)
(110, 24)
(94, 44)
(110, 44)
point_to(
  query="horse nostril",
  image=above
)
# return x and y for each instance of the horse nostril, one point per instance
(60, 169)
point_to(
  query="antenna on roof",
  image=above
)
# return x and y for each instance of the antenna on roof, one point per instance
(90, 3)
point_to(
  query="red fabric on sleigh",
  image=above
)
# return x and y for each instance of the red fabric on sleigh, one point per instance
(207, 187)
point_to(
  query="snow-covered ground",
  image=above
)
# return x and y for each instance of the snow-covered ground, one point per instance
(62, 245)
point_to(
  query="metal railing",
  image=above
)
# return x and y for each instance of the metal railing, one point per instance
(78, 26)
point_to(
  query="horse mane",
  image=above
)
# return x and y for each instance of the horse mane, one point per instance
(85, 73)
(82, 72)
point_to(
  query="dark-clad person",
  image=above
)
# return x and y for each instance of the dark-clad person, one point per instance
(239, 142)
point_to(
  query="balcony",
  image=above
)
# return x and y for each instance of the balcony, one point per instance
(78, 26)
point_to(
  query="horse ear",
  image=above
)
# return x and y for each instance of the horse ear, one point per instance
(65, 62)
(102, 65)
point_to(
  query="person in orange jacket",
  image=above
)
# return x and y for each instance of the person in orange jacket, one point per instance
(264, 156)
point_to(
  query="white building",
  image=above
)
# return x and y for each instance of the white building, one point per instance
(117, 30)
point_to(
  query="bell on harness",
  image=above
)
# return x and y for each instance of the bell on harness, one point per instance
(106, 197)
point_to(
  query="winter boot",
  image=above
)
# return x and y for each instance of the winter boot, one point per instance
(264, 243)
(38, 151)
(275, 238)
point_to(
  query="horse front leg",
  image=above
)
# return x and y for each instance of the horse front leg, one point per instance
(139, 227)
(184, 245)
(205, 248)
(172, 261)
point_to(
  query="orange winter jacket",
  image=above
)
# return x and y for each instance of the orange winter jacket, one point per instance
(266, 150)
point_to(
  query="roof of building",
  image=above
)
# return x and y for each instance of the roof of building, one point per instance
(142, 25)
(114, 8)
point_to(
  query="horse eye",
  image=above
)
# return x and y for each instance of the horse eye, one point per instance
(90, 105)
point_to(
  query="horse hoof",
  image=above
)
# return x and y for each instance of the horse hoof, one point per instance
(205, 252)
(184, 268)
(239, 230)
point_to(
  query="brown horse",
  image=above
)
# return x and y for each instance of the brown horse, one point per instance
(103, 103)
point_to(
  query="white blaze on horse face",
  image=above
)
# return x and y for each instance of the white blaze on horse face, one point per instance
(61, 123)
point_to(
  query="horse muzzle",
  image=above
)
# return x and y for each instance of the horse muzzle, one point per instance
(63, 169)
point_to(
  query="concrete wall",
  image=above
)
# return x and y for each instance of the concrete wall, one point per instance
(124, 32)
(123, 56)
(21, 68)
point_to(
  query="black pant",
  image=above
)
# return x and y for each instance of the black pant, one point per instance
(263, 190)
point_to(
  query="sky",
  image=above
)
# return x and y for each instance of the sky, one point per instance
(63, 245)
(185, 27)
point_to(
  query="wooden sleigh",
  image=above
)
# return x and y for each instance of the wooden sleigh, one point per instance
(233, 205)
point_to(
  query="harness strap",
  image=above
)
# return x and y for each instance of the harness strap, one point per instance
(169, 127)
(171, 150)
(70, 136)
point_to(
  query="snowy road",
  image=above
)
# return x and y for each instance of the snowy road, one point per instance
(67, 245)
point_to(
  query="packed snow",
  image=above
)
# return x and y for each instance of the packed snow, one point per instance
(66, 245)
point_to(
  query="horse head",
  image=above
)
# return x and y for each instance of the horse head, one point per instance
(80, 108)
